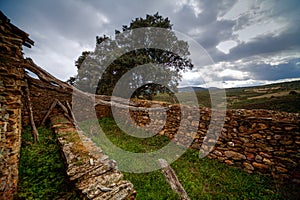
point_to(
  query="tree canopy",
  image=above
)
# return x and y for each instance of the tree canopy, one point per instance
(140, 45)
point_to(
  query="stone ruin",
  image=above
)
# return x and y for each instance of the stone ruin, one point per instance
(95, 176)
(257, 141)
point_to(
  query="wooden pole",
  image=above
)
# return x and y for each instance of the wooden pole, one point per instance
(172, 179)
(49, 111)
(72, 115)
(65, 110)
(34, 129)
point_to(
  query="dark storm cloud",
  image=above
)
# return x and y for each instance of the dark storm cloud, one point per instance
(63, 29)
(266, 44)
(280, 71)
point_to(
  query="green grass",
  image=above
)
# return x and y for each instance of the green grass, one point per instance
(42, 174)
(201, 178)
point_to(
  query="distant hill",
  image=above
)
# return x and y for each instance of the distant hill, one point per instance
(195, 89)
(283, 96)
(292, 85)
(191, 89)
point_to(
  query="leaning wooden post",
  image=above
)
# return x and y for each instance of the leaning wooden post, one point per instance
(172, 179)
(35, 132)
(66, 112)
(72, 115)
(49, 111)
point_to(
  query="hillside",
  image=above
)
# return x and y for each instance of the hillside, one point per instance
(280, 96)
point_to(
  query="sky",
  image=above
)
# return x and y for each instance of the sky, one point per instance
(251, 42)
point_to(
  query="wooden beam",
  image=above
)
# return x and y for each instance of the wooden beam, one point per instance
(49, 111)
(172, 179)
(119, 102)
(35, 132)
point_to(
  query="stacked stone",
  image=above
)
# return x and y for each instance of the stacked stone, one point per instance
(262, 141)
(11, 80)
(45, 93)
(94, 174)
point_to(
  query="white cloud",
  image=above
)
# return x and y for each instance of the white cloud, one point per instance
(271, 28)
(240, 8)
(235, 74)
(280, 58)
(226, 46)
(192, 4)
(57, 58)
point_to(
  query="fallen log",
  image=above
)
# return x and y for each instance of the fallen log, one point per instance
(172, 179)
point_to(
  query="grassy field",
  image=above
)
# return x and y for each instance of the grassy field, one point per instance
(42, 174)
(201, 178)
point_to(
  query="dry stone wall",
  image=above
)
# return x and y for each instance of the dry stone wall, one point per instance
(43, 95)
(262, 141)
(94, 174)
(11, 81)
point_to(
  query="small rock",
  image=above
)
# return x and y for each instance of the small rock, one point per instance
(91, 161)
(277, 137)
(286, 142)
(288, 128)
(265, 155)
(228, 162)
(267, 161)
(250, 156)
(258, 158)
(260, 166)
(242, 129)
(281, 169)
(231, 144)
(104, 189)
(257, 136)
(218, 153)
(195, 123)
(248, 166)
(249, 145)
(262, 126)
(269, 149)
(234, 155)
